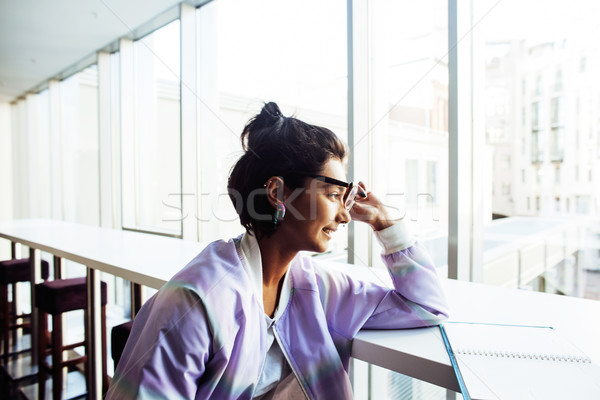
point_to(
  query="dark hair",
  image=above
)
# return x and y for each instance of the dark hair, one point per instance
(276, 145)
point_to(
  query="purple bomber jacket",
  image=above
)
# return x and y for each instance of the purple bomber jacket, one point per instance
(202, 336)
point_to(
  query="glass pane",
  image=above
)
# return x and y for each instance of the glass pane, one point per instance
(409, 108)
(37, 156)
(540, 90)
(155, 164)
(297, 59)
(409, 86)
(79, 152)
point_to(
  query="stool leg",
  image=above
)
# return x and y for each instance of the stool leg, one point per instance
(88, 352)
(42, 376)
(5, 319)
(57, 350)
(104, 367)
(13, 312)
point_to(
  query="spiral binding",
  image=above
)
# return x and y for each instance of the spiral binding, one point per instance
(533, 356)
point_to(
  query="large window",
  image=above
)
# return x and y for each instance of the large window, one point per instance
(79, 147)
(550, 114)
(405, 141)
(408, 131)
(151, 150)
(296, 57)
(529, 95)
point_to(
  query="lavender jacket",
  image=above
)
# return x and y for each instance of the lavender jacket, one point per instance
(202, 336)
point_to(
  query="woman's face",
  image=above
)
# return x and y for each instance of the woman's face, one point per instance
(314, 213)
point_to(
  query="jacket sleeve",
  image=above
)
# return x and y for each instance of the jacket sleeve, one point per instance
(167, 350)
(359, 299)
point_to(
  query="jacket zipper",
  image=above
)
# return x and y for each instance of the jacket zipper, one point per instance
(288, 361)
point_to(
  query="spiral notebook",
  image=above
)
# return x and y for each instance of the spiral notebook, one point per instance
(519, 362)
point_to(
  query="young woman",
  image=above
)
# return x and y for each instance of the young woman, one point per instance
(252, 318)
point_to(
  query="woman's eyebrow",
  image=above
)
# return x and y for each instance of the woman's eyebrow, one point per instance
(342, 188)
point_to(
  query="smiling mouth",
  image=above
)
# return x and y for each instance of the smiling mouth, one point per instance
(328, 231)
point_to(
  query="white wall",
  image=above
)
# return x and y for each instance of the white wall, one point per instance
(6, 193)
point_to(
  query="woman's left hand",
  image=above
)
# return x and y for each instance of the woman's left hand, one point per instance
(371, 211)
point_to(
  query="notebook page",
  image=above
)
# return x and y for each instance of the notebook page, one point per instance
(516, 362)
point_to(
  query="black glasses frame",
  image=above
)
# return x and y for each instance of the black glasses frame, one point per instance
(352, 192)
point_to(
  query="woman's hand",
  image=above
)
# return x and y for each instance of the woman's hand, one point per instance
(371, 211)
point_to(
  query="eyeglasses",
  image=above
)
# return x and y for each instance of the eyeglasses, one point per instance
(352, 192)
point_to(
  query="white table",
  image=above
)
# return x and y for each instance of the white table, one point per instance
(151, 260)
(420, 353)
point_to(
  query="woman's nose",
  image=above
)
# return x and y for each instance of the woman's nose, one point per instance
(343, 215)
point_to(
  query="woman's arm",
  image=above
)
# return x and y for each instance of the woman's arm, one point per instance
(417, 299)
(415, 280)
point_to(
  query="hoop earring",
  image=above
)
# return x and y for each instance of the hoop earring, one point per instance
(279, 214)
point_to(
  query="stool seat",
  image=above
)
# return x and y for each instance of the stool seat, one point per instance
(118, 338)
(12, 271)
(62, 295)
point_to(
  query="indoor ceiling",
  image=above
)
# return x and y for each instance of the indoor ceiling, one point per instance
(40, 39)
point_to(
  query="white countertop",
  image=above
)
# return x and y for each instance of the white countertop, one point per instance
(151, 260)
(420, 353)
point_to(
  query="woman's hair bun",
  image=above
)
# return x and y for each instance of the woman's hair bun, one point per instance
(272, 110)
(276, 145)
(269, 117)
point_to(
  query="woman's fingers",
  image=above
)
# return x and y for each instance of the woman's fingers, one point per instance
(370, 210)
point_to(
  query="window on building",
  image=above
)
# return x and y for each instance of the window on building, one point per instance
(539, 84)
(582, 204)
(432, 178)
(557, 129)
(411, 178)
(537, 142)
(505, 163)
(558, 81)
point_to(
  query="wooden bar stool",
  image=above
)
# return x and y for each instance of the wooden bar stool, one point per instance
(12, 272)
(55, 298)
(118, 338)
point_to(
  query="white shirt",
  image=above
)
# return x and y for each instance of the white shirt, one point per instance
(276, 369)
(277, 380)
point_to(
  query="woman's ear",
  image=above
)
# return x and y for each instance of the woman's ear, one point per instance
(275, 189)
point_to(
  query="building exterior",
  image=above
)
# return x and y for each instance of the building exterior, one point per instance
(542, 121)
